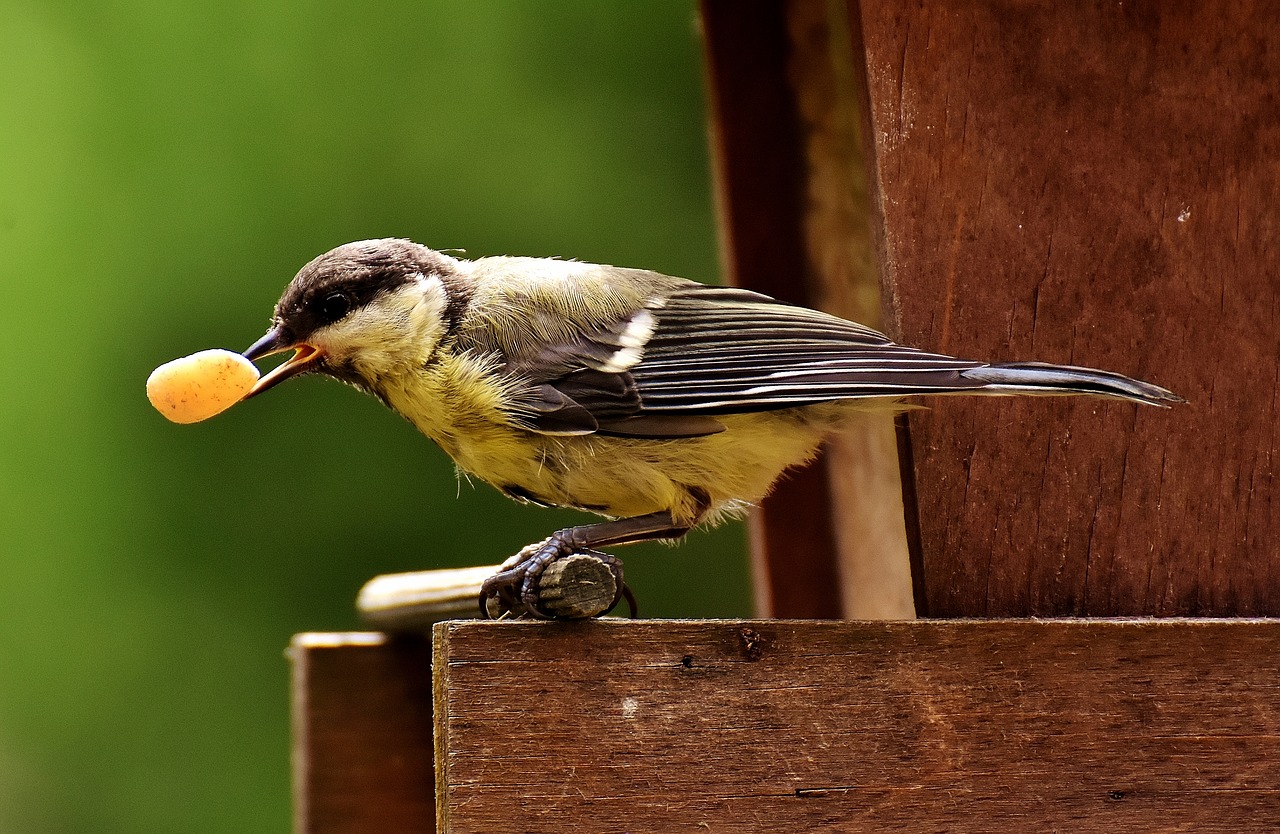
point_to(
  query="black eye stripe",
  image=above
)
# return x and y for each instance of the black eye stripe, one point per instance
(358, 273)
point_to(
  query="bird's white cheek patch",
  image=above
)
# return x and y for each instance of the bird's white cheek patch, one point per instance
(399, 329)
(427, 305)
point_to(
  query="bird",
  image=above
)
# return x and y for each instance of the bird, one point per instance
(659, 403)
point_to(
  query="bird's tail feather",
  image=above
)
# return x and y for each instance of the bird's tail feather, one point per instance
(1043, 378)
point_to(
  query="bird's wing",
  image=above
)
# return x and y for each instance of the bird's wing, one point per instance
(718, 351)
(698, 352)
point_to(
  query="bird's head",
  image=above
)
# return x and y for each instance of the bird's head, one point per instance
(362, 312)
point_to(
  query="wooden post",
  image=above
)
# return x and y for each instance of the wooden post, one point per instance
(759, 160)
(1091, 183)
(1085, 183)
(787, 111)
(362, 743)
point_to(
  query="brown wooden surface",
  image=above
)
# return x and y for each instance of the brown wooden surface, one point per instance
(769, 726)
(1092, 183)
(362, 750)
(758, 156)
(839, 228)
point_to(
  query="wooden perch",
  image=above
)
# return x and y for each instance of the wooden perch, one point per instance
(414, 601)
(577, 587)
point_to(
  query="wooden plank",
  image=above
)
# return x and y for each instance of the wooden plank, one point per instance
(786, 107)
(362, 749)
(757, 156)
(839, 226)
(1091, 183)
(766, 726)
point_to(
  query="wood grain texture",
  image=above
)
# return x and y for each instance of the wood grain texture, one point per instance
(838, 221)
(362, 747)
(767, 726)
(1090, 183)
(758, 158)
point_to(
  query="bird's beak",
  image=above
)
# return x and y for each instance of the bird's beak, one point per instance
(304, 359)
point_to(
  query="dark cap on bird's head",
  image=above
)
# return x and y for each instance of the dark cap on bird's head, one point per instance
(337, 283)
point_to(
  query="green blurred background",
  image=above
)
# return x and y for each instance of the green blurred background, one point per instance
(164, 170)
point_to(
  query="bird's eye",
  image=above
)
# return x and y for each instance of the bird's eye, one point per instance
(334, 306)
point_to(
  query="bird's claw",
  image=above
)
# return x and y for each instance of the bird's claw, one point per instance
(516, 587)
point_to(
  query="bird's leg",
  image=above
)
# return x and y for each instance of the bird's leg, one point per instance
(515, 585)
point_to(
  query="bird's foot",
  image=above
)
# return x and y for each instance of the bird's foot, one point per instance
(517, 588)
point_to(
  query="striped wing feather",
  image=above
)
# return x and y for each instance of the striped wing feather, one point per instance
(714, 351)
(717, 351)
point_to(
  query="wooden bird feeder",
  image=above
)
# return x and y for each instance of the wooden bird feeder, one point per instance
(990, 615)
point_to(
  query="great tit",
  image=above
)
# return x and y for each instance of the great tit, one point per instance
(657, 402)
